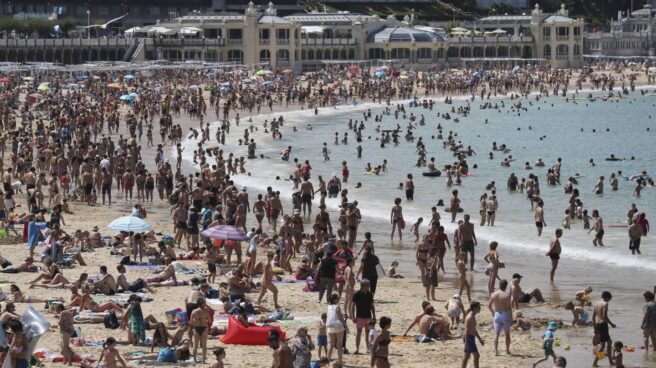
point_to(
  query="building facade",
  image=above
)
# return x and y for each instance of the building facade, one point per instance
(629, 36)
(306, 41)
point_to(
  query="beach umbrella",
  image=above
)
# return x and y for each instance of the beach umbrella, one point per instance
(82, 77)
(5, 80)
(499, 31)
(247, 81)
(129, 224)
(380, 74)
(288, 71)
(134, 94)
(126, 98)
(43, 87)
(266, 83)
(28, 79)
(129, 77)
(114, 85)
(224, 232)
(194, 86)
(224, 89)
(353, 68)
(260, 73)
(72, 86)
(403, 76)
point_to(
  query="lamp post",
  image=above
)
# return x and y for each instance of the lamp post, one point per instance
(88, 23)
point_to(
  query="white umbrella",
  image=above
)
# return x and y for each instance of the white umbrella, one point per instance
(189, 30)
(499, 31)
(129, 224)
(132, 30)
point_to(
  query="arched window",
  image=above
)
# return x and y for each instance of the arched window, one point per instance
(282, 55)
(265, 56)
(236, 56)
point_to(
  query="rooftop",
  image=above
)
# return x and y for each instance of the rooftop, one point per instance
(402, 34)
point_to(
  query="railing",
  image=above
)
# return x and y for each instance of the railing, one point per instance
(562, 37)
(491, 39)
(546, 37)
(64, 42)
(282, 41)
(189, 41)
(235, 41)
(424, 60)
(327, 41)
(265, 41)
(562, 56)
(283, 62)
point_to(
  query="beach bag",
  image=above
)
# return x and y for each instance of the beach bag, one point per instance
(125, 260)
(380, 271)
(166, 355)
(111, 321)
(332, 321)
(137, 285)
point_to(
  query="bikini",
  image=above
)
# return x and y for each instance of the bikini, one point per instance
(200, 329)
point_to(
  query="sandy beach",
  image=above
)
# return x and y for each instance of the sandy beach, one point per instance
(398, 299)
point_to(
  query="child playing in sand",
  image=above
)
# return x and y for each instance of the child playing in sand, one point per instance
(220, 354)
(580, 315)
(520, 323)
(391, 271)
(618, 356)
(583, 296)
(322, 337)
(415, 228)
(110, 354)
(548, 344)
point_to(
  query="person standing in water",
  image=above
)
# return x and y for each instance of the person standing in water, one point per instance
(455, 205)
(539, 217)
(554, 253)
(396, 218)
(598, 227)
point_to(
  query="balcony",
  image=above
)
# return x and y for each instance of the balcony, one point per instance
(189, 42)
(265, 41)
(562, 56)
(546, 37)
(424, 60)
(282, 41)
(283, 63)
(235, 41)
(562, 37)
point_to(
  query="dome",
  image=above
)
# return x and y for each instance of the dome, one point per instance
(402, 34)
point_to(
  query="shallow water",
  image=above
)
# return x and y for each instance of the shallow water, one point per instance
(559, 122)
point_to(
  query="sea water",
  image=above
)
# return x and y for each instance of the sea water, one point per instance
(575, 130)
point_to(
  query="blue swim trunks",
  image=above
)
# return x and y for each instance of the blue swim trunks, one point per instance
(470, 344)
(322, 340)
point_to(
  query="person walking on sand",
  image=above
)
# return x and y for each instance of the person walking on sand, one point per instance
(361, 312)
(267, 281)
(648, 324)
(468, 240)
(471, 334)
(600, 321)
(554, 253)
(501, 309)
(598, 227)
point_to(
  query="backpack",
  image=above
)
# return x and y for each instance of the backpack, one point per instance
(137, 285)
(111, 321)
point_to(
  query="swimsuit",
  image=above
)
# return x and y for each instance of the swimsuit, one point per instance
(502, 320)
(602, 330)
(200, 329)
(470, 344)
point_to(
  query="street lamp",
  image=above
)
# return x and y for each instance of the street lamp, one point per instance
(88, 23)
